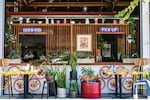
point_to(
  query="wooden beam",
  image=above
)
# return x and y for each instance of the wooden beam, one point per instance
(60, 13)
(25, 2)
(70, 4)
(30, 1)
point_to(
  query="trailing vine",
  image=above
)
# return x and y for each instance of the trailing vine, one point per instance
(126, 13)
(131, 37)
(100, 41)
(9, 38)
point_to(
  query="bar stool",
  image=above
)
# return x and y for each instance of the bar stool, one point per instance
(51, 85)
(7, 84)
(140, 62)
(141, 82)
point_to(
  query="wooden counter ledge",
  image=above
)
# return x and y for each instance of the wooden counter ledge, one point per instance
(97, 63)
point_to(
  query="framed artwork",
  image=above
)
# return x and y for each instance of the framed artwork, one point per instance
(84, 42)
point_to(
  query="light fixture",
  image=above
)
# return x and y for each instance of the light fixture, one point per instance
(87, 21)
(84, 9)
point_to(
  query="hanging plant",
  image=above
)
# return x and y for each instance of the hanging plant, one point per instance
(100, 41)
(126, 13)
(9, 37)
(132, 35)
(131, 38)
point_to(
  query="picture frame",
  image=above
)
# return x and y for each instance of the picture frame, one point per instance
(84, 42)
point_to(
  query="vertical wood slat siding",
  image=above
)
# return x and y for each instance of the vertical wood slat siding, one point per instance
(61, 37)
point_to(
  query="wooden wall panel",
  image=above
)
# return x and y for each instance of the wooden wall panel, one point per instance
(61, 37)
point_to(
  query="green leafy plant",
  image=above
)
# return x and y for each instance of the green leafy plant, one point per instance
(132, 37)
(64, 55)
(13, 54)
(50, 71)
(87, 71)
(84, 55)
(9, 37)
(125, 13)
(61, 78)
(124, 56)
(100, 41)
(131, 40)
(73, 62)
(88, 74)
(73, 86)
(132, 27)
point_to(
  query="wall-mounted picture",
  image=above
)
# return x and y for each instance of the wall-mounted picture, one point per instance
(84, 42)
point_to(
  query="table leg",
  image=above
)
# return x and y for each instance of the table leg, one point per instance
(120, 85)
(116, 84)
(48, 88)
(25, 86)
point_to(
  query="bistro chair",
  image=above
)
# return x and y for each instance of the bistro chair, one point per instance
(7, 82)
(141, 62)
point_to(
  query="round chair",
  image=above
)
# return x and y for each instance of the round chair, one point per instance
(7, 82)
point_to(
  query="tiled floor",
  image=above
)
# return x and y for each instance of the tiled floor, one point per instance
(104, 96)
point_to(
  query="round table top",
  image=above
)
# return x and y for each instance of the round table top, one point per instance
(18, 72)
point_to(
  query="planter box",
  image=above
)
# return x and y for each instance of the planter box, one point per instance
(128, 60)
(82, 61)
(15, 61)
(54, 61)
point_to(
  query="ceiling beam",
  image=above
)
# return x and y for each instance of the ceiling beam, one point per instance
(25, 2)
(70, 4)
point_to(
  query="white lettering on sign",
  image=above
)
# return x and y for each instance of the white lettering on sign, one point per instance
(108, 29)
(32, 30)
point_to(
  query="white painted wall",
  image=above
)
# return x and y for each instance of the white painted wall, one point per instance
(144, 30)
(97, 70)
(2, 21)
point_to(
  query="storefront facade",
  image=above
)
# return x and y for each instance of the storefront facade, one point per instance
(144, 40)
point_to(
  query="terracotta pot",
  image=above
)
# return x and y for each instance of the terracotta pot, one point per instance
(49, 78)
(73, 94)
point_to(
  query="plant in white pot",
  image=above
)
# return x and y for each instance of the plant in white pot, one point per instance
(61, 83)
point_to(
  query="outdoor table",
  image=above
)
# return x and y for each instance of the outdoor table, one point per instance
(26, 75)
(118, 78)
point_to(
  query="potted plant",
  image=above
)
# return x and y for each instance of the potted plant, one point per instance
(61, 83)
(50, 72)
(87, 74)
(73, 89)
(90, 84)
(85, 58)
(129, 58)
(14, 57)
(73, 63)
(62, 57)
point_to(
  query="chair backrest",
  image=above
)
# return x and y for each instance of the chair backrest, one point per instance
(141, 62)
(4, 62)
